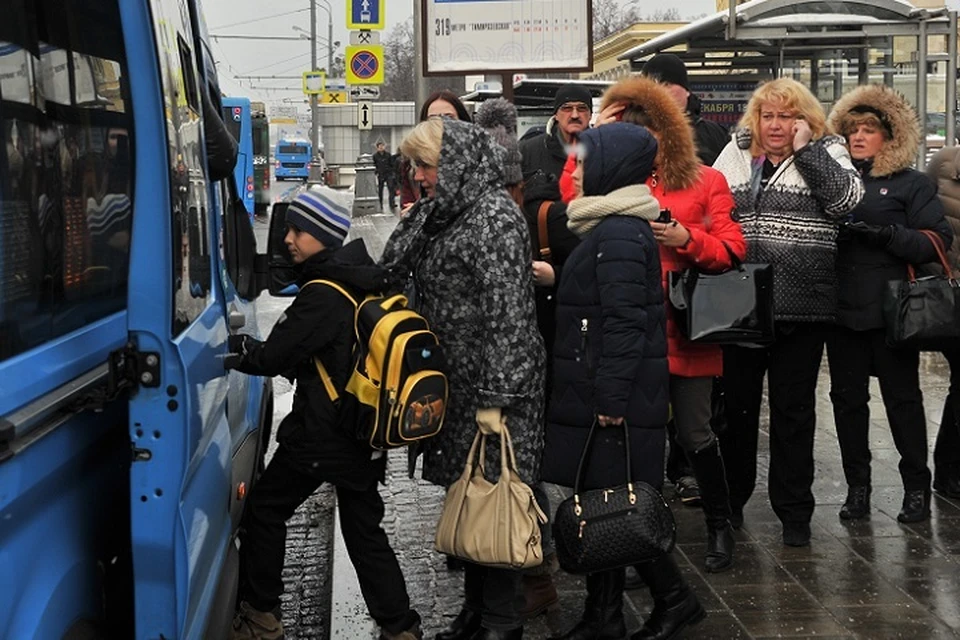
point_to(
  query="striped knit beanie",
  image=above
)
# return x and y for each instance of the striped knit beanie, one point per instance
(322, 217)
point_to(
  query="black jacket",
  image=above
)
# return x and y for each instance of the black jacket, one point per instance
(383, 162)
(710, 137)
(610, 357)
(318, 433)
(907, 200)
(544, 153)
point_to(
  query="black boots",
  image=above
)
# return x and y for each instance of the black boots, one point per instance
(463, 627)
(857, 505)
(603, 610)
(715, 498)
(675, 605)
(916, 506)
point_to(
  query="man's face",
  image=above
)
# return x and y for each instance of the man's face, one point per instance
(573, 118)
(380, 146)
(678, 93)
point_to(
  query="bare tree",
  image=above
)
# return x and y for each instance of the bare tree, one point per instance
(400, 60)
(611, 16)
(665, 15)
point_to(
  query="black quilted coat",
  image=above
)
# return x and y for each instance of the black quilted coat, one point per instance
(610, 357)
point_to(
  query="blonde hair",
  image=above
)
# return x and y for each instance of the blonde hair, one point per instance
(790, 95)
(423, 143)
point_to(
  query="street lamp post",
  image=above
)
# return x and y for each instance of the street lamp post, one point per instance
(315, 174)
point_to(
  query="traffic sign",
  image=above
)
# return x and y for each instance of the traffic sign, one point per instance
(364, 116)
(364, 36)
(333, 97)
(365, 14)
(314, 82)
(365, 64)
(365, 92)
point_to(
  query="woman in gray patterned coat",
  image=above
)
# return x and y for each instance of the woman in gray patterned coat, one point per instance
(468, 250)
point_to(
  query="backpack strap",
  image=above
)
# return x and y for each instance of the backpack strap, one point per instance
(321, 369)
(542, 236)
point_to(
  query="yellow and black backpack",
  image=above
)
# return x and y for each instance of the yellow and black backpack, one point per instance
(397, 377)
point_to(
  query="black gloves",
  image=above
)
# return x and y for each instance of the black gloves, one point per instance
(874, 236)
(237, 351)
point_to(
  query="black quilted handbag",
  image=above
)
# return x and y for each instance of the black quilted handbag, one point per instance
(604, 529)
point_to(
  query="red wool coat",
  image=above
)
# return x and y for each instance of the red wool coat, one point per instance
(704, 209)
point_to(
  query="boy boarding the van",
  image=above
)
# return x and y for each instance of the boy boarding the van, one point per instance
(317, 439)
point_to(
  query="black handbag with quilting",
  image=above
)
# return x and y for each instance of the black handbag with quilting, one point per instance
(605, 529)
(733, 307)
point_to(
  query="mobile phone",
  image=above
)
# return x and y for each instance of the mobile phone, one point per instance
(665, 216)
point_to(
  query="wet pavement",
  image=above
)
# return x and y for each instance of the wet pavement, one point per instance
(874, 578)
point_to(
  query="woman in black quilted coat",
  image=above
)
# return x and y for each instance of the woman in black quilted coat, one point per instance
(468, 249)
(610, 364)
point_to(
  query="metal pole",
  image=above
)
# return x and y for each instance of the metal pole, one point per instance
(922, 92)
(314, 174)
(732, 20)
(419, 82)
(951, 133)
(329, 43)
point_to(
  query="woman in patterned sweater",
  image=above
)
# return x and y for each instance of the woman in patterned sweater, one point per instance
(792, 184)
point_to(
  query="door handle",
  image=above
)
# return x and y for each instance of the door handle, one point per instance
(237, 319)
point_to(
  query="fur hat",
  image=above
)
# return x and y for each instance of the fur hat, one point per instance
(666, 67)
(499, 118)
(325, 219)
(677, 165)
(896, 116)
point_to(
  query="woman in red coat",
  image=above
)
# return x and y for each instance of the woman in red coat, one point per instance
(701, 234)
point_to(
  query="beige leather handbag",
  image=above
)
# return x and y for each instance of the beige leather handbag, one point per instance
(497, 525)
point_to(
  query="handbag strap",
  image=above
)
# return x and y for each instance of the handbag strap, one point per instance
(583, 463)
(937, 243)
(543, 237)
(734, 260)
(508, 458)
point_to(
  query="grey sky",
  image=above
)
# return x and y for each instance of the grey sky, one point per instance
(289, 58)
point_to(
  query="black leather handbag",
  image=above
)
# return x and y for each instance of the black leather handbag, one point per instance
(924, 313)
(733, 307)
(604, 529)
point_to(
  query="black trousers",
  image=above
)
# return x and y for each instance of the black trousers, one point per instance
(390, 183)
(791, 365)
(854, 356)
(284, 487)
(946, 454)
(494, 594)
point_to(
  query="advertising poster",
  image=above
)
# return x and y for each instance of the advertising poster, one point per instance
(483, 36)
(723, 101)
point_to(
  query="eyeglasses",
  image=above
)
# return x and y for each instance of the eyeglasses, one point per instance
(579, 107)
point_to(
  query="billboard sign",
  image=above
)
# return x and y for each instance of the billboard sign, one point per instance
(484, 36)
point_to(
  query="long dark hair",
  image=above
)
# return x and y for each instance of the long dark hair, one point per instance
(447, 96)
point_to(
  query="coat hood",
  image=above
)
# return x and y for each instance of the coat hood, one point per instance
(471, 164)
(897, 153)
(677, 164)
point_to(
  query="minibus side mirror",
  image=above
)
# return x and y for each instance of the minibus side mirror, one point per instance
(276, 272)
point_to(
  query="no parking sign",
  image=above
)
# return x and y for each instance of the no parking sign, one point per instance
(365, 64)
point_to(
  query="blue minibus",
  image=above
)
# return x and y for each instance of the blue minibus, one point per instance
(126, 450)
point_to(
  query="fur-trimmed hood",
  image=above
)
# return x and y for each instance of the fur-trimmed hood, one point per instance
(897, 153)
(677, 164)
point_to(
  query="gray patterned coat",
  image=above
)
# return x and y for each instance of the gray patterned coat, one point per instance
(469, 250)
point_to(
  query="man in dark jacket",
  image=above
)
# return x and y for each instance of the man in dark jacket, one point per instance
(385, 166)
(317, 439)
(669, 70)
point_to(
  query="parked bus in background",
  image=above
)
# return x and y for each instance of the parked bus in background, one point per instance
(237, 116)
(292, 159)
(260, 128)
(126, 450)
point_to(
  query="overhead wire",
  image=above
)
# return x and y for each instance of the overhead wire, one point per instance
(260, 19)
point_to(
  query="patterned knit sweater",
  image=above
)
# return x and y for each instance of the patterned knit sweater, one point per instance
(792, 224)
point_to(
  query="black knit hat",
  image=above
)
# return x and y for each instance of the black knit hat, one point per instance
(666, 67)
(572, 93)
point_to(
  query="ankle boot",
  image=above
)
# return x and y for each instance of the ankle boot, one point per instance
(539, 592)
(675, 605)
(463, 627)
(857, 505)
(916, 506)
(603, 610)
(708, 467)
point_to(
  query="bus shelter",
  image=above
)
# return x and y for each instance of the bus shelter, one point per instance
(830, 45)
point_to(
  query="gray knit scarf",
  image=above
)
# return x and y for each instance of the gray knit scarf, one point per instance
(586, 212)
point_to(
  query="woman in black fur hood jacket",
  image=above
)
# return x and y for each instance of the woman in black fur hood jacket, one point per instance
(882, 236)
